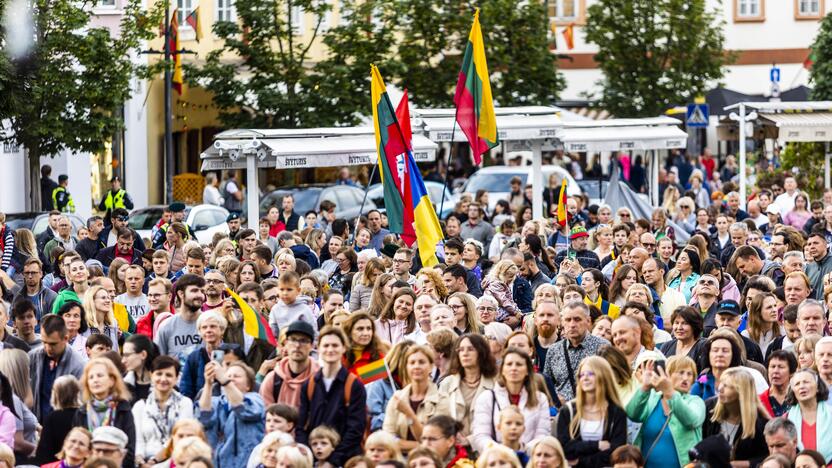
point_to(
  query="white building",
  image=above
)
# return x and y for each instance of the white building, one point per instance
(760, 32)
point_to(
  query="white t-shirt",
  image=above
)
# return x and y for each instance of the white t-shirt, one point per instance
(137, 306)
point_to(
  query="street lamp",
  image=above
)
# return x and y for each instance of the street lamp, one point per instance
(742, 118)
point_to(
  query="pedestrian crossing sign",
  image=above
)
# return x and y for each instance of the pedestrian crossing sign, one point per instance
(697, 115)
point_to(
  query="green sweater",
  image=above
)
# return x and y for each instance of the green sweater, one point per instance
(687, 413)
(64, 296)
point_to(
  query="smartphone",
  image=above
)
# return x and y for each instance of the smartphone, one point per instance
(660, 365)
(217, 356)
(572, 254)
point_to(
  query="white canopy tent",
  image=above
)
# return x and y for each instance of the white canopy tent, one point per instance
(296, 148)
(532, 128)
(648, 134)
(807, 121)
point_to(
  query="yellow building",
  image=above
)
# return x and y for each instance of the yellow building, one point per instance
(195, 119)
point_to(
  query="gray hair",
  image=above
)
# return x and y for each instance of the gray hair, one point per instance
(283, 236)
(778, 424)
(210, 178)
(578, 305)
(739, 226)
(794, 253)
(489, 299)
(810, 303)
(211, 315)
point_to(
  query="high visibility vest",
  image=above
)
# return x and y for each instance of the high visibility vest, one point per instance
(117, 201)
(70, 204)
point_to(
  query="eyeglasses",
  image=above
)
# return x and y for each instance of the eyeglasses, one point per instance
(456, 306)
(154, 296)
(298, 340)
(271, 298)
(214, 281)
(648, 245)
(707, 282)
(399, 261)
(107, 452)
(623, 215)
(487, 309)
(31, 273)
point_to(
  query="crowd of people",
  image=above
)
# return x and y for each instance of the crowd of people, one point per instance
(601, 342)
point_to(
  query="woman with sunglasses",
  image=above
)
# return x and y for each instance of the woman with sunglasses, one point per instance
(347, 261)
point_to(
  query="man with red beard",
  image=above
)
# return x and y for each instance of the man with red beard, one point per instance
(546, 323)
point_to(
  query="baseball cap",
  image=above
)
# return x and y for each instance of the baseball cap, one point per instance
(649, 356)
(110, 435)
(771, 209)
(578, 231)
(232, 217)
(728, 307)
(301, 327)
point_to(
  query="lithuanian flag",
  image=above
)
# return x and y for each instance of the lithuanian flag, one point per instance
(254, 324)
(390, 144)
(474, 105)
(373, 371)
(562, 213)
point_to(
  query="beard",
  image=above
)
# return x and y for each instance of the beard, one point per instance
(546, 330)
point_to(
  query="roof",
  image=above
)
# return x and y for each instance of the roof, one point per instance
(790, 106)
(805, 127)
(623, 135)
(513, 123)
(302, 148)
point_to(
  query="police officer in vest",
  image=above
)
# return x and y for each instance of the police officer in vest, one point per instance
(116, 197)
(61, 199)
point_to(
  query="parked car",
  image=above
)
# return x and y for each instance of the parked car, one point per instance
(38, 222)
(435, 189)
(308, 197)
(496, 180)
(205, 220)
(595, 189)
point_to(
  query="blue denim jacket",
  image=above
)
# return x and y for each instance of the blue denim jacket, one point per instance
(234, 431)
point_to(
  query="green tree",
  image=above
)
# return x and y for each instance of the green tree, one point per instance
(269, 83)
(820, 75)
(67, 91)
(435, 33)
(655, 54)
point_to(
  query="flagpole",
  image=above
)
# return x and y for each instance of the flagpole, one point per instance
(448, 167)
(168, 111)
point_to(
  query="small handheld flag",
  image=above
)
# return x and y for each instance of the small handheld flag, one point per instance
(562, 213)
(474, 104)
(373, 371)
(254, 324)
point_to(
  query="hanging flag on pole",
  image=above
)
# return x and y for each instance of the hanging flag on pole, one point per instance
(254, 323)
(403, 116)
(173, 39)
(392, 143)
(193, 21)
(474, 104)
(569, 36)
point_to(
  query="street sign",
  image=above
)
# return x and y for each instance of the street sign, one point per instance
(697, 115)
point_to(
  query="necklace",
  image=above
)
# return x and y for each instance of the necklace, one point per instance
(473, 383)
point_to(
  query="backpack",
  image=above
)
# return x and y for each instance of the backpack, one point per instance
(310, 388)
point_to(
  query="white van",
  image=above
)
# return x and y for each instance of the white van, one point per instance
(497, 181)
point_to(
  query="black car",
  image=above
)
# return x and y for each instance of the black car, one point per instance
(347, 199)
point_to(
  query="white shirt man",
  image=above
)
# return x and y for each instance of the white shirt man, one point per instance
(134, 300)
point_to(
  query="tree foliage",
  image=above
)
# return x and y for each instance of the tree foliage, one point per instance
(805, 159)
(820, 76)
(67, 91)
(655, 54)
(417, 44)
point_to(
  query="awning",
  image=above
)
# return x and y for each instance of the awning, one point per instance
(357, 147)
(623, 135)
(513, 123)
(803, 127)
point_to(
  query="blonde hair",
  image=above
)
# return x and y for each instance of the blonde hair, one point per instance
(91, 313)
(65, 393)
(191, 447)
(119, 391)
(386, 441)
(372, 270)
(511, 410)
(194, 424)
(807, 343)
(680, 363)
(605, 390)
(298, 455)
(325, 432)
(415, 349)
(553, 444)
(287, 257)
(436, 279)
(83, 430)
(644, 289)
(14, 364)
(542, 289)
(472, 320)
(499, 270)
(750, 406)
(217, 254)
(502, 453)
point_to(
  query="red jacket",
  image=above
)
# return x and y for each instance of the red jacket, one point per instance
(148, 324)
(766, 403)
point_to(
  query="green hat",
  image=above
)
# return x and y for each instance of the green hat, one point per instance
(578, 231)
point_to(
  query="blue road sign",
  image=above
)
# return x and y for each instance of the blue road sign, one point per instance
(697, 115)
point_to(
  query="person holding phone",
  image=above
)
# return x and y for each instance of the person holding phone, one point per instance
(211, 326)
(671, 417)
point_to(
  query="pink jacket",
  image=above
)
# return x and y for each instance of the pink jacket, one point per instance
(391, 331)
(502, 292)
(7, 426)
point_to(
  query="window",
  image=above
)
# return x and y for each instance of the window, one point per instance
(567, 11)
(749, 10)
(225, 10)
(809, 9)
(106, 3)
(185, 7)
(296, 19)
